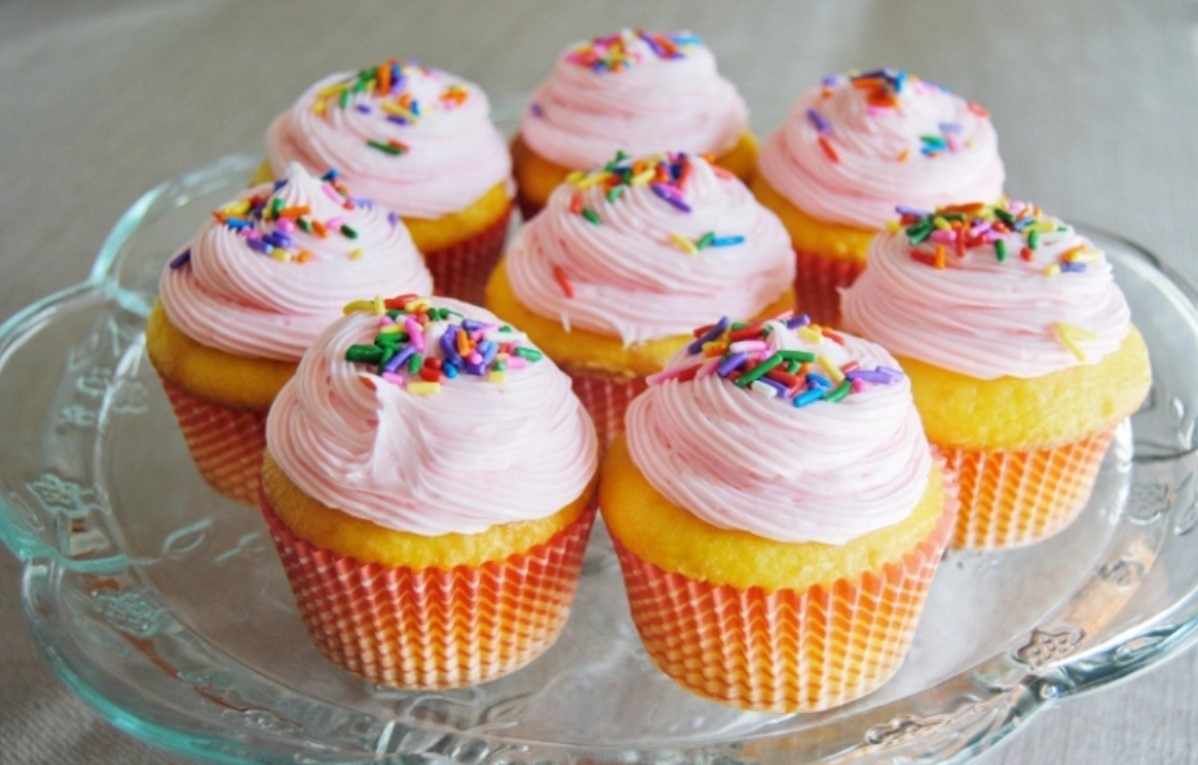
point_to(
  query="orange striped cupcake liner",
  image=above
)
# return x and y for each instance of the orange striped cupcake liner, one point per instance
(225, 443)
(818, 279)
(788, 650)
(606, 398)
(461, 270)
(1010, 499)
(433, 628)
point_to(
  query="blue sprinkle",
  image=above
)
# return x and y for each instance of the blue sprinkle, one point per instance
(279, 184)
(331, 175)
(237, 223)
(727, 241)
(1076, 268)
(449, 370)
(488, 350)
(808, 397)
(277, 239)
(181, 259)
(818, 381)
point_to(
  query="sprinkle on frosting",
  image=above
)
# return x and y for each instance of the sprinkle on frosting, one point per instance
(741, 353)
(624, 50)
(420, 346)
(389, 95)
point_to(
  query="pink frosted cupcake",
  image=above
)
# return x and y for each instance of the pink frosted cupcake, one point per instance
(627, 259)
(242, 301)
(635, 91)
(854, 148)
(419, 141)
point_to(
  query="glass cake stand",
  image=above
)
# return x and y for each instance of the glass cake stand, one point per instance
(165, 607)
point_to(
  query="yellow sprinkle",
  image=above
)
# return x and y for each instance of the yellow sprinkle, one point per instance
(1042, 227)
(377, 306)
(589, 180)
(391, 329)
(809, 335)
(575, 176)
(496, 376)
(236, 208)
(714, 348)
(643, 177)
(281, 255)
(356, 253)
(893, 226)
(423, 388)
(332, 90)
(357, 306)
(393, 108)
(319, 107)
(832, 370)
(502, 356)
(941, 224)
(416, 306)
(1053, 269)
(1066, 333)
(1080, 254)
(683, 243)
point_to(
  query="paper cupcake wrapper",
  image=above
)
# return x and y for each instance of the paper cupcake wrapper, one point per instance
(788, 650)
(1010, 499)
(606, 398)
(461, 270)
(433, 628)
(226, 444)
(817, 281)
(528, 207)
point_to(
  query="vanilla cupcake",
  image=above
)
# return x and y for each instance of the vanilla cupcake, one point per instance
(852, 149)
(429, 486)
(635, 91)
(419, 141)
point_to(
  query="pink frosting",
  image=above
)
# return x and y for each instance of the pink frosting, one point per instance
(881, 156)
(450, 153)
(625, 92)
(229, 296)
(629, 275)
(826, 472)
(471, 456)
(986, 318)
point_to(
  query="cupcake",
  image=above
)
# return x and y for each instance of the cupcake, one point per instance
(777, 516)
(419, 141)
(627, 258)
(853, 148)
(240, 303)
(635, 91)
(429, 487)
(1022, 357)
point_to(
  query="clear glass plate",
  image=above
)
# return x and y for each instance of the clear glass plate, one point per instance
(165, 607)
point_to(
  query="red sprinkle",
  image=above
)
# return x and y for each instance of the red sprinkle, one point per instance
(826, 145)
(1026, 254)
(399, 301)
(563, 281)
(576, 204)
(751, 331)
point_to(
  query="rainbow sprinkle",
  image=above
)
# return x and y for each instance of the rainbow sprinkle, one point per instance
(384, 93)
(621, 52)
(420, 346)
(739, 352)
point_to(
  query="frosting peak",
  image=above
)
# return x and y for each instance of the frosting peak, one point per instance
(271, 268)
(495, 441)
(782, 429)
(646, 248)
(416, 139)
(637, 91)
(857, 145)
(988, 291)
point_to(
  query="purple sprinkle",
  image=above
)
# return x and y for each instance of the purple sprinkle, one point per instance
(950, 127)
(536, 110)
(896, 374)
(657, 49)
(277, 239)
(716, 330)
(903, 210)
(362, 202)
(818, 381)
(871, 377)
(474, 368)
(393, 218)
(670, 195)
(398, 359)
(821, 125)
(801, 320)
(397, 119)
(875, 73)
(449, 345)
(830, 81)
(362, 108)
(732, 362)
(259, 246)
(1076, 268)
(279, 184)
(470, 325)
(181, 259)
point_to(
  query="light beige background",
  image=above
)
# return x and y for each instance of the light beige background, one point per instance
(1096, 104)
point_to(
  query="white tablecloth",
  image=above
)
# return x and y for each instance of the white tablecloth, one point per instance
(1096, 104)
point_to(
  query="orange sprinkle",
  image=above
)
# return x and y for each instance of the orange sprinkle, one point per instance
(319, 229)
(825, 94)
(940, 257)
(303, 257)
(868, 83)
(563, 281)
(1068, 254)
(967, 207)
(978, 109)
(463, 342)
(294, 212)
(903, 155)
(826, 145)
(831, 335)
(385, 79)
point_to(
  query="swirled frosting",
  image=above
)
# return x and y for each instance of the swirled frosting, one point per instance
(635, 91)
(803, 456)
(988, 292)
(474, 452)
(417, 140)
(648, 248)
(270, 269)
(856, 146)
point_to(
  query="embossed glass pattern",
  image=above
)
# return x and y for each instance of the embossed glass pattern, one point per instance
(165, 606)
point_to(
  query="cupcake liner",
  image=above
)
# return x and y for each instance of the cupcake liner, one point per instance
(528, 207)
(818, 279)
(461, 270)
(788, 650)
(226, 444)
(606, 398)
(1009, 499)
(433, 628)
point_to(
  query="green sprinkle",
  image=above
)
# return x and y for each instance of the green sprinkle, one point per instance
(800, 356)
(506, 328)
(737, 325)
(391, 338)
(592, 216)
(839, 392)
(499, 367)
(705, 240)
(349, 232)
(614, 193)
(388, 352)
(1004, 216)
(747, 378)
(304, 224)
(364, 354)
(920, 232)
(415, 361)
(386, 148)
(532, 354)
(276, 205)
(1000, 250)
(1033, 240)
(345, 95)
(394, 313)
(792, 366)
